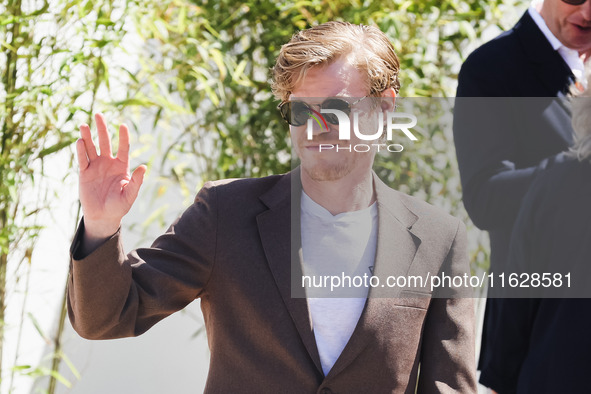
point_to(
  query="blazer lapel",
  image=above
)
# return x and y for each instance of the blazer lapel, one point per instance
(396, 248)
(551, 72)
(279, 229)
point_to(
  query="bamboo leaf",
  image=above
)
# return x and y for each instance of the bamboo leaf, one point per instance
(239, 70)
(38, 328)
(43, 371)
(219, 61)
(21, 367)
(133, 101)
(157, 214)
(56, 147)
(7, 46)
(70, 365)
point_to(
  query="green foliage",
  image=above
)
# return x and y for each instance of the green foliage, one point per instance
(212, 60)
(55, 63)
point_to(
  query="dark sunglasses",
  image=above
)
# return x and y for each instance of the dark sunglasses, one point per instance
(297, 113)
(574, 2)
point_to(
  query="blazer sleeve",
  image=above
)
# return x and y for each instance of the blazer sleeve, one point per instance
(448, 360)
(487, 147)
(114, 295)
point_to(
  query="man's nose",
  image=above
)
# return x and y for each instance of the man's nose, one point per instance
(319, 125)
(586, 10)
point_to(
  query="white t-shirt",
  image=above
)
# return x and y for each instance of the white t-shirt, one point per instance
(341, 245)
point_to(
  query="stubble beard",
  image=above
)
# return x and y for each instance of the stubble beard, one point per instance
(331, 172)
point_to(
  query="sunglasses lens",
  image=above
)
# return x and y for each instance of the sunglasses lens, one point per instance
(331, 118)
(296, 113)
(337, 104)
(300, 112)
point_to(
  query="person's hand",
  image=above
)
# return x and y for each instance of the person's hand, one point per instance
(107, 190)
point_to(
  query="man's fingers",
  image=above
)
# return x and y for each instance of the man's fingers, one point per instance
(88, 144)
(133, 187)
(81, 153)
(103, 134)
(123, 150)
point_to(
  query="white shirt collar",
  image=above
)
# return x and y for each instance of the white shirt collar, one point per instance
(570, 56)
(533, 12)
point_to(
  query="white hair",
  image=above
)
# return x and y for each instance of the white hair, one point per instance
(581, 105)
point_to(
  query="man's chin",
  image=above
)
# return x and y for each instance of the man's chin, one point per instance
(326, 173)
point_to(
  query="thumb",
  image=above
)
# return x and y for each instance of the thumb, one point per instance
(133, 187)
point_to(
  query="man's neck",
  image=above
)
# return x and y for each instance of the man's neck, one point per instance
(353, 192)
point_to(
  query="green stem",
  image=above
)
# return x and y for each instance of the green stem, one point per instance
(9, 81)
(3, 265)
(21, 324)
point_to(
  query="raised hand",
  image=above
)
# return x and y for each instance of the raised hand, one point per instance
(107, 190)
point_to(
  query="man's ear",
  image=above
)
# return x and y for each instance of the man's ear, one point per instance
(388, 101)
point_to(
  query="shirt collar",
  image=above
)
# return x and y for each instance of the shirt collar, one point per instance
(570, 56)
(533, 12)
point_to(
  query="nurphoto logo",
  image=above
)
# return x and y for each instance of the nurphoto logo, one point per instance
(395, 121)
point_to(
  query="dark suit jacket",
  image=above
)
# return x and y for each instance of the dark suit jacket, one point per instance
(543, 344)
(232, 249)
(506, 120)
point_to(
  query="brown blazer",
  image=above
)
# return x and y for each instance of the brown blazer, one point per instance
(232, 248)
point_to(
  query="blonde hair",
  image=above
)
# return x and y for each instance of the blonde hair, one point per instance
(371, 52)
(581, 106)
